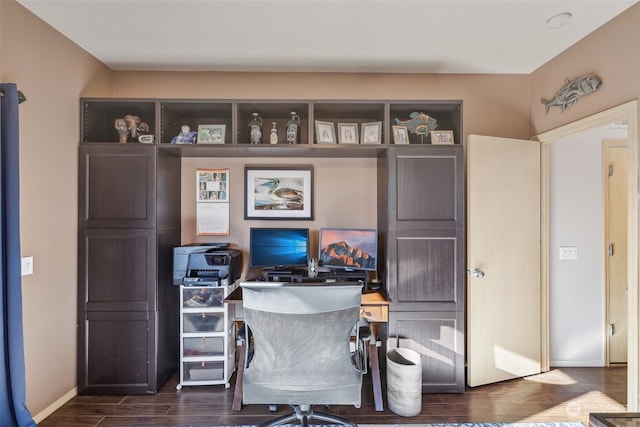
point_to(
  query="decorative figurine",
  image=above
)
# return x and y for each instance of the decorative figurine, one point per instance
(312, 268)
(255, 129)
(293, 128)
(419, 124)
(273, 137)
(572, 91)
(186, 136)
(130, 125)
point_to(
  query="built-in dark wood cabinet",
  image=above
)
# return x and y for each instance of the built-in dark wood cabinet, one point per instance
(423, 222)
(127, 305)
(129, 222)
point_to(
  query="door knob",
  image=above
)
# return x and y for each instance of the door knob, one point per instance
(476, 272)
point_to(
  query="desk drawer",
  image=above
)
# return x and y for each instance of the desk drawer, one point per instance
(375, 313)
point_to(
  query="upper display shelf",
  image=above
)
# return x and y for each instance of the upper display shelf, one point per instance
(190, 125)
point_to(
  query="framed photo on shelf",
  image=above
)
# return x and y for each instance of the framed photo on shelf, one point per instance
(371, 133)
(400, 134)
(211, 134)
(325, 132)
(348, 133)
(278, 192)
(442, 137)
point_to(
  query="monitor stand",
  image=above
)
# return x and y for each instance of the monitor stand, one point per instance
(282, 274)
(351, 276)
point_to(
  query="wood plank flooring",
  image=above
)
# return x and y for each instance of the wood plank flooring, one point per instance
(567, 394)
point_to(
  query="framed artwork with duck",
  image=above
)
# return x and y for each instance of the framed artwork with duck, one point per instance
(283, 192)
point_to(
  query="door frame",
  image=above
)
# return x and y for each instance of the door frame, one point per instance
(628, 112)
(607, 145)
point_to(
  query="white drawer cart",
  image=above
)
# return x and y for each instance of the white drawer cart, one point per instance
(207, 335)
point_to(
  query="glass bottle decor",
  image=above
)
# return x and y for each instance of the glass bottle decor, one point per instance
(255, 129)
(293, 129)
(273, 137)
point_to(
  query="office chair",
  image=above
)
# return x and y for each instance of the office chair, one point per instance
(302, 353)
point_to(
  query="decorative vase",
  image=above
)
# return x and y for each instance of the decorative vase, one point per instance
(293, 129)
(273, 137)
(255, 129)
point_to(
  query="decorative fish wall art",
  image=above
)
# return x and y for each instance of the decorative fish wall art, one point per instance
(572, 91)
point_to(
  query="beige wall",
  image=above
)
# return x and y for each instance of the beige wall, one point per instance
(610, 53)
(54, 73)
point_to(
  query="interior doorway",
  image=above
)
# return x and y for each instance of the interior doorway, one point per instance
(627, 112)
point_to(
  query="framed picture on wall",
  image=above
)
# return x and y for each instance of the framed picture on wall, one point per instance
(278, 192)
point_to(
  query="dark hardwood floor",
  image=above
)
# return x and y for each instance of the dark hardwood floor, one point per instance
(567, 394)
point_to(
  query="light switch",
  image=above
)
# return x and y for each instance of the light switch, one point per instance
(568, 252)
(27, 265)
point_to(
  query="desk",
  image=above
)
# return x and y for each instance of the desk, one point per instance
(374, 308)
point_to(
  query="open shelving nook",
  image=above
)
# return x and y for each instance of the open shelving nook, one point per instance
(166, 117)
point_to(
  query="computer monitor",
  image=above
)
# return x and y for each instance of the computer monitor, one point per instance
(348, 248)
(278, 248)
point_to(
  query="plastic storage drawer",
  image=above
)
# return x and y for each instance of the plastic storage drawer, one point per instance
(203, 297)
(203, 371)
(203, 346)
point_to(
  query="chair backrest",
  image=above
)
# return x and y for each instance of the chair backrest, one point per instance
(301, 339)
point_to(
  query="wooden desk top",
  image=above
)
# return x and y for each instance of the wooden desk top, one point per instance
(368, 298)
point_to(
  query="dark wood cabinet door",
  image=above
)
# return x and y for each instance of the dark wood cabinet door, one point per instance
(117, 269)
(117, 186)
(425, 228)
(439, 339)
(115, 348)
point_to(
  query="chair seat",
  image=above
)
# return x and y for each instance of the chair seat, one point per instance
(303, 388)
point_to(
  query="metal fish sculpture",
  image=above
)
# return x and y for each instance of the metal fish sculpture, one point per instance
(572, 91)
(419, 124)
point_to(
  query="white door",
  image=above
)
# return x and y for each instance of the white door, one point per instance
(503, 259)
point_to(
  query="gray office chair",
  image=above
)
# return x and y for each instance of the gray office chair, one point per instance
(302, 352)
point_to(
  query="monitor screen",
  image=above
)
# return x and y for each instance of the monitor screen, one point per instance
(348, 248)
(279, 247)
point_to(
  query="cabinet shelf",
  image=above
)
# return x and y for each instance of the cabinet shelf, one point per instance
(165, 117)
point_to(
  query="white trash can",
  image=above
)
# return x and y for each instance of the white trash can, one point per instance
(404, 382)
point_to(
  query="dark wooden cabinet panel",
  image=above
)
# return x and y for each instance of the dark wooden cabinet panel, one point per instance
(117, 186)
(439, 338)
(424, 245)
(115, 352)
(117, 269)
(129, 222)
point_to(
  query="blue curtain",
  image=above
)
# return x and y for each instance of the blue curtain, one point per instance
(13, 410)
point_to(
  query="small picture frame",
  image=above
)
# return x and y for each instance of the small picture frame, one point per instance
(211, 134)
(400, 134)
(441, 137)
(325, 132)
(371, 133)
(348, 133)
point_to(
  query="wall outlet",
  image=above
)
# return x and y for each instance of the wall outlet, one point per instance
(568, 252)
(27, 265)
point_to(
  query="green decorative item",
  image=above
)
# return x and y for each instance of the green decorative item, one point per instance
(419, 124)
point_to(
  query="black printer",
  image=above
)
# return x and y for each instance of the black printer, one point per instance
(207, 266)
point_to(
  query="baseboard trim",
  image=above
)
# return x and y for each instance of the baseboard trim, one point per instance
(577, 363)
(55, 405)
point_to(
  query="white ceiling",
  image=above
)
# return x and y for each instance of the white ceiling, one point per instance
(402, 36)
